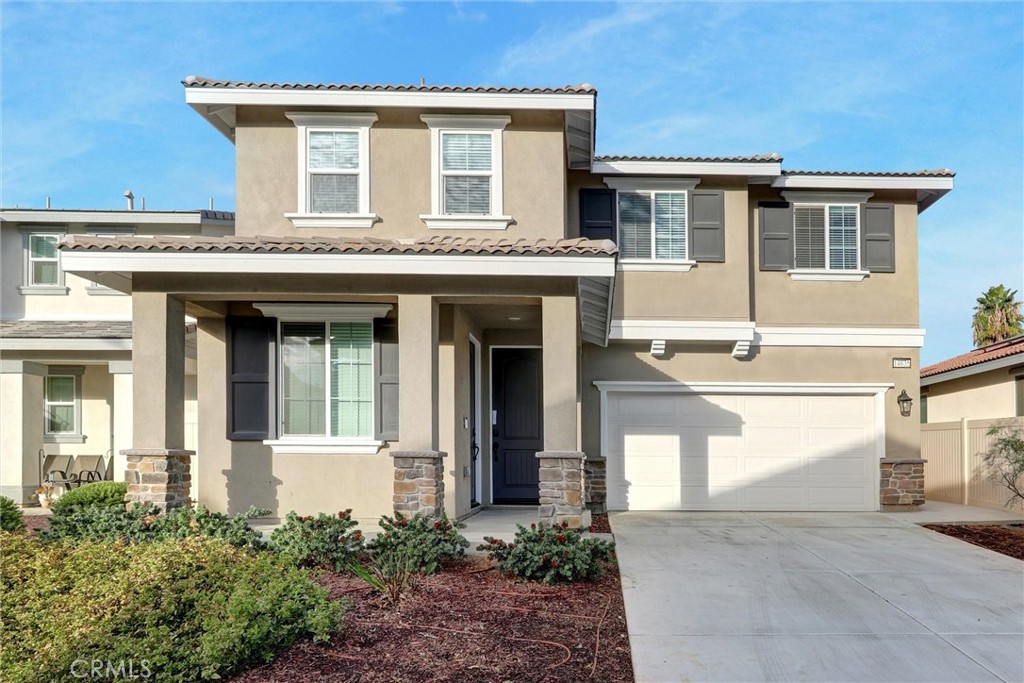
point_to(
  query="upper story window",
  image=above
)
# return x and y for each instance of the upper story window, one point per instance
(826, 236)
(333, 170)
(466, 172)
(654, 222)
(43, 274)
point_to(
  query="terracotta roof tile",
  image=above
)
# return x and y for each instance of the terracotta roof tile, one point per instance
(753, 158)
(66, 329)
(581, 89)
(1008, 347)
(344, 245)
(934, 173)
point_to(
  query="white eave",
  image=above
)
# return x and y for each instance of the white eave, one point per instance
(930, 189)
(63, 217)
(750, 169)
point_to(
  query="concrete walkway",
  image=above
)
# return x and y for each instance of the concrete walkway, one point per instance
(818, 597)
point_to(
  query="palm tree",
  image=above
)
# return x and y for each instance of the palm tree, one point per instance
(997, 316)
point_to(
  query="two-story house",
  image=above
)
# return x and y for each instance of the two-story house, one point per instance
(66, 345)
(439, 296)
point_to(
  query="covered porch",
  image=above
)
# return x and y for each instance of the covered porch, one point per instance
(378, 375)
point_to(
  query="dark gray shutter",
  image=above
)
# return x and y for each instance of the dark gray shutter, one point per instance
(878, 238)
(250, 362)
(597, 214)
(776, 235)
(385, 349)
(707, 225)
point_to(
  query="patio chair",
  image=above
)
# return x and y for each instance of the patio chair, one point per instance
(88, 468)
(57, 471)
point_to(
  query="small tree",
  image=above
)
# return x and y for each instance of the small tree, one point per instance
(997, 316)
(1005, 461)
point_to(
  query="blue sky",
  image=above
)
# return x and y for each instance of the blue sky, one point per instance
(92, 105)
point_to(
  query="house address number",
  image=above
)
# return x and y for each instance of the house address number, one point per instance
(901, 363)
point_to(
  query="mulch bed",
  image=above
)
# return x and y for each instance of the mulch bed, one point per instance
(36, 523)
(599, 524)
(468, 623)
(1006, 539)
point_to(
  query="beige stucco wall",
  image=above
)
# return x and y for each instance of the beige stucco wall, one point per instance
(977, 397)
(21, 434)
(267, 182)
(880, 300)
(711, 363)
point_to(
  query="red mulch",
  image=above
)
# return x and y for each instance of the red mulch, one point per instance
(36, 523)
(466, 624)
(1006, 539)
(599, 524)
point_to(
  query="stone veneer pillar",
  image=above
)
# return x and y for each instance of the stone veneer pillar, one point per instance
(561, 488)
(595, 485)
(902, 484)
(158, 476)
(419, 482)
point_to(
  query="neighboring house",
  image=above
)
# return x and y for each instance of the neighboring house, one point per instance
(985, 383)
(66, 342)
(438, 296)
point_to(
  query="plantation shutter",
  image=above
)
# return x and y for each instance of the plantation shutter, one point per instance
(597, 214)
(334, 192)
(466, 170)
(776, 235)
(707, 225)
(634, 226)
(385, 343)
(809, 237)
(878, 237)
(251, 341)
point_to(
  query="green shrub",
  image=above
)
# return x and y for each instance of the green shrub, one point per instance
(549, 554)
(10, 516)
(423, 540)
(177, 610)
(95, 494)
(321, 541)
(143, 523)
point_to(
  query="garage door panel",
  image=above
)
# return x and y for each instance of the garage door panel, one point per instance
(764, 452)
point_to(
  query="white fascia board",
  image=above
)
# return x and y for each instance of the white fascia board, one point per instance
(89, 262)
(997, 364)
(694, 168)
(110, 218)
(52, 344)
(369, 98)
(681, 330)
(802, 388)
(829, 182)
(840, 336)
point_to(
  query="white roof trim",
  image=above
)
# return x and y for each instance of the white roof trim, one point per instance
(910, 337)
(90, 263)
(320, 312)
(833, 182)
(105, 218)
(640, 184)
(697, 168)
(997, 364)
(813, 197)
(387, 98)
(681, 330)
(830, 388)
(67, 344)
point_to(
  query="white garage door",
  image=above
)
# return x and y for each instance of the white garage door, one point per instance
(740, 452)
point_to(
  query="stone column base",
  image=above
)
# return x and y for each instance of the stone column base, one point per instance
(902, 484)
(419, 482)
(595, 485)
(561, 487)
(158, 476)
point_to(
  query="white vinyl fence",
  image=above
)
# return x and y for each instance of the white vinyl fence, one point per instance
(950, 477)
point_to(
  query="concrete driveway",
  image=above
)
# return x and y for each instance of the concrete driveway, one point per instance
(815, 597)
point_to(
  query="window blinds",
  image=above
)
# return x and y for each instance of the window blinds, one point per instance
(466, 172)
(333, 192)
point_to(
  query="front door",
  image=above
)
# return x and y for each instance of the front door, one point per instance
(474, 428)
(517, 424)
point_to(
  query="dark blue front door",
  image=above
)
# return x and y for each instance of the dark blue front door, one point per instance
(518, 430)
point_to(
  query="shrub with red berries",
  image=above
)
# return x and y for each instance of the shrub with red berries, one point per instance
(557, 555)
(330, 541)
(425, 541)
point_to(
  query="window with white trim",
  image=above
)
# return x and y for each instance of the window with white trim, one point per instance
(62, 404)
(466, 174)
(327, 379)
(43, 260)
(826, 236)
(652, 225)
(334, 170)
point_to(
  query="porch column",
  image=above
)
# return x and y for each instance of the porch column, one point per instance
(122, 412)
(21, 428)
(158, 467)
(561, 461)
(419, 465)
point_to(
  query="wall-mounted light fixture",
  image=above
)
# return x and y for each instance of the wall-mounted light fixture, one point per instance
(905, 403)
